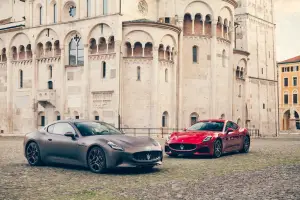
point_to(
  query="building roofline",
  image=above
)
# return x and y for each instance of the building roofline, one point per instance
(295, 59)
(146, 22)
(238, 51)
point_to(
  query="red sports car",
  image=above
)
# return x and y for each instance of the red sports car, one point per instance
(209, 137)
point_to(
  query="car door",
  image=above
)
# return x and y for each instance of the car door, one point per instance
(230, 138)
(61, 148)
(237, 136)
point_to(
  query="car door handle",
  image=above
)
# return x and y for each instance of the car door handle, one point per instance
(50, 139)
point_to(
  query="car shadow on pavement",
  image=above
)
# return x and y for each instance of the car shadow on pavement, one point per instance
(113, 171)
(202, 156)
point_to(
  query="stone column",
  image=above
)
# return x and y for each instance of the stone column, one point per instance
(31, 13)
(174, 83)
(179, 85)
(118, 89)
(59, 11)
(63, 83)
(213, 84)
(154, 94)
(9, 93)
(34, 90)
(231, 73)
(193, 25)
(86, 82)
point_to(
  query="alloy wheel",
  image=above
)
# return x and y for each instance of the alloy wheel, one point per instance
(96, 160)
(217, 149)
(33, 154)
(246, 144)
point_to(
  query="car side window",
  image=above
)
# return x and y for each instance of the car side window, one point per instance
(62, 128)
(50, 128)
(235, 126)
(228, 125)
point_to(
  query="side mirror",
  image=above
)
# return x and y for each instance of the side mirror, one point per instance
(184, 129)
(229, 130)
(70, 134)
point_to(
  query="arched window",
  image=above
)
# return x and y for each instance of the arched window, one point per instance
(54, 13)
(42, 118)
(194, 118)
(57, 115)
(88, 8)
(195, 54)
(41, 15)
(21, 78)
(237, 72)
(76, 54)
(286, 98)
(224, 58)
(187, 24)
(295, 97)
(50, 71)
(50, 85)
(165, 119)
(96, 116)
(207, 25)
(166, 75)
(239, 122)
(104, 7)
(138, 73)
(223, 116)
(76, 115)
(103, 69)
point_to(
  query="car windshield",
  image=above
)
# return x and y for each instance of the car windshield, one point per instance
(96, 128)
(207, 126)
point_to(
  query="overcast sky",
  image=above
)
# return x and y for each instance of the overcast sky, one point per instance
(287, 19)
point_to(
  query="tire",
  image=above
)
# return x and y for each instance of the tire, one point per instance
(246, 145)
(96, 160)
(33, 155)
(218, 148)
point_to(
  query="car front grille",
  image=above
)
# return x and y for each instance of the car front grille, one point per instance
(147, 155)
(183, 147)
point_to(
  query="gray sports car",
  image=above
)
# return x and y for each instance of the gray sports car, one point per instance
(93, 144)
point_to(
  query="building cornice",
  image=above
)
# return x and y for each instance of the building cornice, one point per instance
(232, 2)
(152, 24)
(283, 63)
(250, 15)
(237, 51)
(262, 79)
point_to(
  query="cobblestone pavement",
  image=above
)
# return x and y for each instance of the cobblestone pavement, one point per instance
(271, 170)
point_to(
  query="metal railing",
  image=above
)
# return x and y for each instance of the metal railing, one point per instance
(164, 132)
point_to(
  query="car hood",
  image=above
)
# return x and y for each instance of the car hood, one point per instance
(127, 141)
(191, 136)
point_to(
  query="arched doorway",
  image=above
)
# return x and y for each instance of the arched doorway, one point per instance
(286, 120)
(297, 120)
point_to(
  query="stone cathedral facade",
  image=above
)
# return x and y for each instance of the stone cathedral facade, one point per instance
(137, 63)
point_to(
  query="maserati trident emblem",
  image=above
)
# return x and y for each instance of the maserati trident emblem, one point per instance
(148, 156)
(181, 147)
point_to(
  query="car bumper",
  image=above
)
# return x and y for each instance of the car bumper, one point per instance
(135, 157)
(200, 149)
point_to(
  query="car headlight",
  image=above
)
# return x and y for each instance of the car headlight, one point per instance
(208, 138)
(114, 146)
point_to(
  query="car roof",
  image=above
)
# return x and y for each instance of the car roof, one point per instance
(213, 120)
(74, 121)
